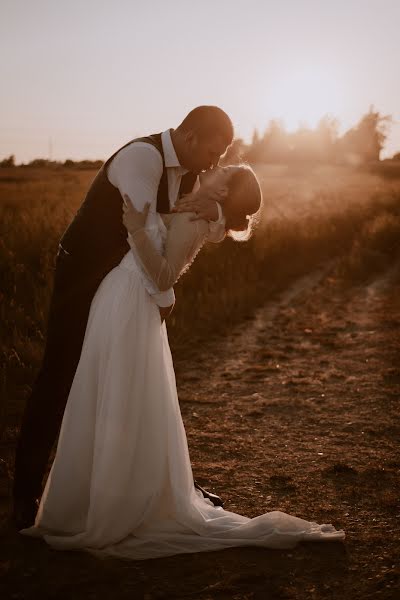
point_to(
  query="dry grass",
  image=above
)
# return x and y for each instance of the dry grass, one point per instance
(309, 217)
(255, 431)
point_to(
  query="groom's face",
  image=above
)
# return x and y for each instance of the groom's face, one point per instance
(204, 153)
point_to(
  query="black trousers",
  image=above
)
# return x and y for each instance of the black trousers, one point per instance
(73, 290)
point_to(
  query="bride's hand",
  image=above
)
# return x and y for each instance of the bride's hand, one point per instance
(132, 218)
(203, 202)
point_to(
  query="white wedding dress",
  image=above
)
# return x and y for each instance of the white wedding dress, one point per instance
(121, 483)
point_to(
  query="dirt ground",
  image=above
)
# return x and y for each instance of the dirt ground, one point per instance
(296, 410)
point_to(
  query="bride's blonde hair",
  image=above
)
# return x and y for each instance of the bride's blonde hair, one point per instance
(244, 199)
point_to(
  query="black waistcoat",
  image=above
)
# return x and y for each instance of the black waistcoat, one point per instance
(95, 241)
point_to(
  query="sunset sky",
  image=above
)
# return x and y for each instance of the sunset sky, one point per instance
(79, 78)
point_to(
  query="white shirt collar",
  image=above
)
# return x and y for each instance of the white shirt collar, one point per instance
(170, 157)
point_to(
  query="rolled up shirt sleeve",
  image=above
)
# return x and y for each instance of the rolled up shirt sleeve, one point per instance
(136, 171)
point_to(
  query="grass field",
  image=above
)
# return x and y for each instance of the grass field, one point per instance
(309, 216)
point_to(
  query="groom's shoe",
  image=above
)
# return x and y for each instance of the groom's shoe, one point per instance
(216, 500)
(24, 513)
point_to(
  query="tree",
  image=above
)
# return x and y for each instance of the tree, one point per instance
(256, 138)
(275, 143)
(326, 138)
(8, 162)
(364, 142)
(304, 147)
(253, 153)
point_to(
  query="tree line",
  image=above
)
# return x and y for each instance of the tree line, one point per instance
(360, 145)
(44, 162)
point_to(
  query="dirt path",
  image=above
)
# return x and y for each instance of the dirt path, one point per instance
(296, 411)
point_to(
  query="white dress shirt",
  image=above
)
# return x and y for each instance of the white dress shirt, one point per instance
(136, 171)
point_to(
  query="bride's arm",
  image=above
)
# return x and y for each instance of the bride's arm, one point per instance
(184, 240)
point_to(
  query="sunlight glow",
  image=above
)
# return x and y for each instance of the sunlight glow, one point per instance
(303, 97)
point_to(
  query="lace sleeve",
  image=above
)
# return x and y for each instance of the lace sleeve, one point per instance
(184, 240)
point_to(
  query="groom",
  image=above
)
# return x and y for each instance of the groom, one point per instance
(161, 167)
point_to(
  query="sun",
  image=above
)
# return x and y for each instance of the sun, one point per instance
(304, 96)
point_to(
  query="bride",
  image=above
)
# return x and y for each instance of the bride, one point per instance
(121, 482)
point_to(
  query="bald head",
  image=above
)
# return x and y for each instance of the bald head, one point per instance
(202, 138)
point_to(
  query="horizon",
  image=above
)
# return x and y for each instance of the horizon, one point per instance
(95, 77)
(247, 145)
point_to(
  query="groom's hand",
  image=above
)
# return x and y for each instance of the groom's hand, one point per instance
(132, 218)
